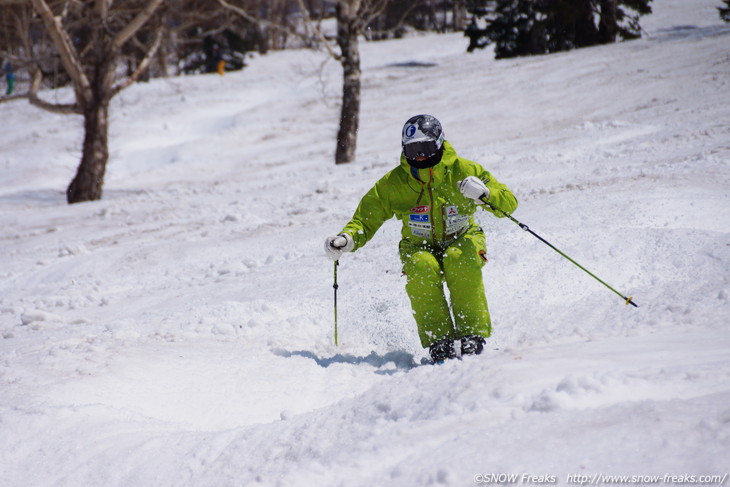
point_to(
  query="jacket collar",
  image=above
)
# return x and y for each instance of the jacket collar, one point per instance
(439, 170)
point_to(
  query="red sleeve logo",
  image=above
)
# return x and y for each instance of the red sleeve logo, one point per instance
(420, 209)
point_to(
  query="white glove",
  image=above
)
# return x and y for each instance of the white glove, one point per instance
(473, 187)
(334, 246)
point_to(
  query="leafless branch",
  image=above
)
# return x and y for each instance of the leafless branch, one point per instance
(241, 12)
(69, 57)
(374, 10)
(122, 37)
(266, 23)
(17, 96)
(317, 32)
(402, 19)
(142, 66)
(51, 107)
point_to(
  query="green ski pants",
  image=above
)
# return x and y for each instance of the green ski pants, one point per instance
(459, 266)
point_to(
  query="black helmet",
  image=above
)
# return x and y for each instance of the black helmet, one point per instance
(423, 137)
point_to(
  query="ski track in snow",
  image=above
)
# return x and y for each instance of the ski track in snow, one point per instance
(179, 332)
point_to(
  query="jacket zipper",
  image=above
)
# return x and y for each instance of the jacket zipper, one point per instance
(431, 211)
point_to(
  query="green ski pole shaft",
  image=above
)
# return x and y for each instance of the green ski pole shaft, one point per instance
(335, 286)
(627, 300)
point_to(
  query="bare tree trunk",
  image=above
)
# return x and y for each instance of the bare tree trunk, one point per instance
(163, 52)
(89, 180)
(459, 15)
(92, 71)
(347, 38)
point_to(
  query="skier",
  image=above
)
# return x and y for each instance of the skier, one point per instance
(477, 37)
(435, 193)
(9, 78)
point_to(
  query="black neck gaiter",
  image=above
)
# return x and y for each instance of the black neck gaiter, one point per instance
(429, 162)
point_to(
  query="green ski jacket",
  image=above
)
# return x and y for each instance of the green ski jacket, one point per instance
(427, 201)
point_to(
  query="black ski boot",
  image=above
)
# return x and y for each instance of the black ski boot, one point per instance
(472, 345)
(442, 350)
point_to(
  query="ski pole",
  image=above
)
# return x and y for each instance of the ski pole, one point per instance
(627, 300)
(337, 262)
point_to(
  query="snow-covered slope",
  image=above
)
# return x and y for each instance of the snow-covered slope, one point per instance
(179, 332)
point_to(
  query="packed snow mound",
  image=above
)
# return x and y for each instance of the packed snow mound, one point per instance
(180, 331)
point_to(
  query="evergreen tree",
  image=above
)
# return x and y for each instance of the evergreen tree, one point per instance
(524, 27)
(725, 11)
(518, 28)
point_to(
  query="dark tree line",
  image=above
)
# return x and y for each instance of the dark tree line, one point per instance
(99, 47)
(400, 16)
(191, 27)
(526, 27)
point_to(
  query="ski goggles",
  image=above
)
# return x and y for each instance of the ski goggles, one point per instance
(421, 148)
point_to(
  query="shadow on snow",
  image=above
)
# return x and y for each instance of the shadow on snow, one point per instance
(402, 360)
